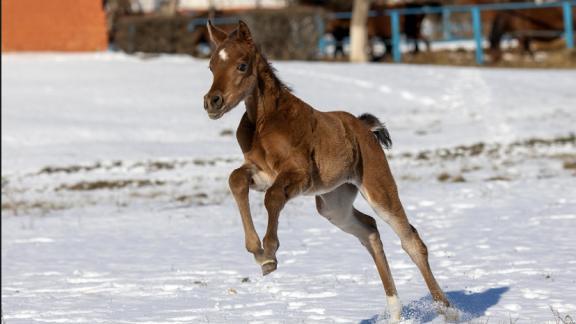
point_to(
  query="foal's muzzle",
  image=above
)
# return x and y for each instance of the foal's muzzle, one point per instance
(214, 104)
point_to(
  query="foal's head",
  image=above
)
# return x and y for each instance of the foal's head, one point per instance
(233, 66)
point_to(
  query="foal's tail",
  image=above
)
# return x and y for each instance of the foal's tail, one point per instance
(378, 128)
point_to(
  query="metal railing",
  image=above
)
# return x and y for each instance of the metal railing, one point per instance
(475, 10)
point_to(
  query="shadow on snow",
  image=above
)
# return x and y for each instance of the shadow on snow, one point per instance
(470, 306)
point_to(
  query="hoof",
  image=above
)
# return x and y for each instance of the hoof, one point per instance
(450, 314)
(268, 266)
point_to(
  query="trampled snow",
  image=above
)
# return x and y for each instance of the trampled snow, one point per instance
(115, 207)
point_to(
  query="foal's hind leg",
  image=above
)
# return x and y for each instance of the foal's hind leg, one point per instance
(386, 203)
(337, 207)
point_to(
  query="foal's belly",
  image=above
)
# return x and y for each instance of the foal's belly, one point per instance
(262, 181)
(319, 190)
(328, 170)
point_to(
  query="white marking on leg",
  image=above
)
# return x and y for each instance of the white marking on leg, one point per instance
(394, 307)
(223, 55)
(267, 262)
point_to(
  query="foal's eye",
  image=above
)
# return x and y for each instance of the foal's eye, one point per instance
(242, 67)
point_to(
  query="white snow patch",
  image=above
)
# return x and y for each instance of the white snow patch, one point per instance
(33, 240)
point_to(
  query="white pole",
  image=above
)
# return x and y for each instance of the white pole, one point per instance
(358, 31)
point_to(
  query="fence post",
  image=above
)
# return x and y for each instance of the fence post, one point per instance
(568, 28)
(395, 21)
(477, 24)
(446, 24)
(321, 29)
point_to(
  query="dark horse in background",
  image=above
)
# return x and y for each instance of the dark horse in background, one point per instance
(379, 26)
(526, 26)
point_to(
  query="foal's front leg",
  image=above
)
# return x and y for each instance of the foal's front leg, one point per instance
(239, 182)
(286, 186)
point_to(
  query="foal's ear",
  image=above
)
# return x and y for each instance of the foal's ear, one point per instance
(244, 32)
(217, 35)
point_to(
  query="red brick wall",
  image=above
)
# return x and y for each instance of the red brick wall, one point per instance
(53, 25)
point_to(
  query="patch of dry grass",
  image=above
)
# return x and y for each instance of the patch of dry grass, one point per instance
(499, 178)
(227, 132)
(555, 57)
(19, 207)
(561, 318)
(569, 165)
(446, 177)
(109, 184)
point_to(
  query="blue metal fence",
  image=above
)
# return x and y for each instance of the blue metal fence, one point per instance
(477, 25)
(445, 11)
(476, 11)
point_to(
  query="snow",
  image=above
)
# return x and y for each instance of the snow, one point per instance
(115, 207)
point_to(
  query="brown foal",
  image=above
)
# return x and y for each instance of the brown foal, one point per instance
(291, 149)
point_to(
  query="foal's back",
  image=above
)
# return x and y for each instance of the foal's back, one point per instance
(334, 145)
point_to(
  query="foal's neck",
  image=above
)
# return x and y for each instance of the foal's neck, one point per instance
(266, 93)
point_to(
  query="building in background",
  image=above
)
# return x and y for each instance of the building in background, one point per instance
(53, 25)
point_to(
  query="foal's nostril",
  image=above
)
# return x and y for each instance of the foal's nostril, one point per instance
(216, 101)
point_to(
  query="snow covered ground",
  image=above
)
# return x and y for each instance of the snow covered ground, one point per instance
(115, 207)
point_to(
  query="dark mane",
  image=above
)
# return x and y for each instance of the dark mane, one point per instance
(270, 71)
